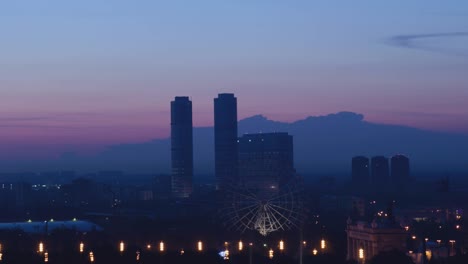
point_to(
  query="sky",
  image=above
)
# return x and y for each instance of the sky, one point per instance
(80, 75)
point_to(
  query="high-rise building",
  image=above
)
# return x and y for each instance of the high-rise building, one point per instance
(266, 160)
(225, 133)
(380, 171)
(181, 147)
(400, 169)
(360, 170)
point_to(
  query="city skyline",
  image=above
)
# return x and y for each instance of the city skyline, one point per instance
(234, 131)
(81, 76)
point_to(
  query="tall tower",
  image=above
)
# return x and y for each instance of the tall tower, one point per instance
(266, 160)
(360, 171)
(225, 126)
(400, 169)
(380, 170)
(181, 147)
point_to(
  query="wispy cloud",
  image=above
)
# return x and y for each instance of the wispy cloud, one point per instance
(409, 41)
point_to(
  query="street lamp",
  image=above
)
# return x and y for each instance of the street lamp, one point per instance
(240, 245)
(323, 244)
(281, 245)
(361, 254)
(271, 253)
(122, 247)
(161, 246)
(41, 247)
(250, 252)
(200, 246)
(453, 243)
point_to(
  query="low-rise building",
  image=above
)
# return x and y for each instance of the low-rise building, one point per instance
(367, 240)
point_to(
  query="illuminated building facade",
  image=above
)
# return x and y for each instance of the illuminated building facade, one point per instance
(365, 241)
(225, 133)
(266, 160)
(181, 147)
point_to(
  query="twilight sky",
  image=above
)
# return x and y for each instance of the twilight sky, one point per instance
(78, 75)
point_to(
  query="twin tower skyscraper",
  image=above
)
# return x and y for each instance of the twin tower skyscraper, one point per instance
(225, 133)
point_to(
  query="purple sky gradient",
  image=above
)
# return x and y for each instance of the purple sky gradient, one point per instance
(80, 76)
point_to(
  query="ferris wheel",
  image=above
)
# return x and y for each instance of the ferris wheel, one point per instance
(264, 210)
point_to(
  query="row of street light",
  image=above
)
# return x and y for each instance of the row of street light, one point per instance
(41, 249)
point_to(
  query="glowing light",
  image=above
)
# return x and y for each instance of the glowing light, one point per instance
(29, 221)
(315, 251)
(281, 245)
(46, 257)
(426, 239)
(161, 246)
(457, 226)
(240, 245)
(200, 246)
(438, 241)
(81, 247)
(182, 252)
(148, 246)
(361, 253)
(1, 256)
(304, 243)
(413, 237)
(74, 219)
(41, 247)
(406, 228)
(122, 247)
(224, 254)
(271, 253)
(91, 256)
(323, 244)
(138, 255)
(428, 254)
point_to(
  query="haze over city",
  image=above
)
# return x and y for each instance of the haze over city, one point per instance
(234, 132)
